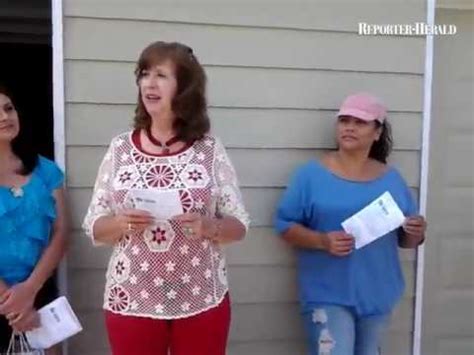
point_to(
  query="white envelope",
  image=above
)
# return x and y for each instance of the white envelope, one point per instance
(162, 205)
(375, 220)
(58, 322)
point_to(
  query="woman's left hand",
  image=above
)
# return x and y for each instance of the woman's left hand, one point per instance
(415, 227)
(195, 225)
(18, 298)
(23, 322)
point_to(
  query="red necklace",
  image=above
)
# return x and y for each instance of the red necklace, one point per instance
(164, 146)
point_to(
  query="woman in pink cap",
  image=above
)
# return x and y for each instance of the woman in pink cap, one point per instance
(348, 291)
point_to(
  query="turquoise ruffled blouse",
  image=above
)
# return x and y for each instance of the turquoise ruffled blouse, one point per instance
(26, 219)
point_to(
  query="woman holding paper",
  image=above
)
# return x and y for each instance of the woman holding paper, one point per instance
(32, 227)
(348, 293)
(166, 198)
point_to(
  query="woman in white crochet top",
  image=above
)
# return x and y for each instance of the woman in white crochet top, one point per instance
(166, 198)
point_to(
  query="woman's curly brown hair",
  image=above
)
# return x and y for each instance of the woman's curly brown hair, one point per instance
(189, 105)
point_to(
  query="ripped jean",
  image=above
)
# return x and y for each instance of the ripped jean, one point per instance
(338, 330)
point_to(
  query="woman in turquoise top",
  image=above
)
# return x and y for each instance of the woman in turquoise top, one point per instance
(32, 227)
(347, 294)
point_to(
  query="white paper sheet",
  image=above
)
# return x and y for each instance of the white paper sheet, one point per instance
(58, 322)
(162, 205)
(374, 221)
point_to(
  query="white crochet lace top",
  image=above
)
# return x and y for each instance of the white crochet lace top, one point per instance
(160, 273)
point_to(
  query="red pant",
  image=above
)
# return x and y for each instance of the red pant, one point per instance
(202, 334)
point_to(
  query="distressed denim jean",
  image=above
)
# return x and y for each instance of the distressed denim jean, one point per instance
(338, 330)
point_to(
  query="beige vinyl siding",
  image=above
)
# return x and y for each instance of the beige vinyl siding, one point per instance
(276, 77)
(276, 87)
(302, 49)
(448, 326)
(323, 15)
(455, 4)
(310, 127)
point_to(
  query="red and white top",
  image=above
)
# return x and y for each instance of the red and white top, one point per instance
(160, 273)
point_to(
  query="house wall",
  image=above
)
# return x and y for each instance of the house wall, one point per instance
(277, 73)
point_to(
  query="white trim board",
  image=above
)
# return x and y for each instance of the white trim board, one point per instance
(58, 97)
(59, 119)
(425, 156)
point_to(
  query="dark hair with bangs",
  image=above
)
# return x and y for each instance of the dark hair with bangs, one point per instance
(189, 105)
(23, 145)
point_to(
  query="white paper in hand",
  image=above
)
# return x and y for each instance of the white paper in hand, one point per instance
(58, 322)
(162, 205)
(375, 220)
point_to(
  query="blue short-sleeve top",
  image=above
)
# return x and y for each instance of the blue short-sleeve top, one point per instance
(26, 219)
(370, 279)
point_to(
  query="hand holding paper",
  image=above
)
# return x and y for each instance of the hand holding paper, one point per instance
(58, 322)
(162, 205)
(196, 226)
(375, 220)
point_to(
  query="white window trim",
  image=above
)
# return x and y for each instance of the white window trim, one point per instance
(58, 95)
(425, 156)
(59, 117)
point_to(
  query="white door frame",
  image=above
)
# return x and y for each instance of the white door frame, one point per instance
(425, 156)
(58, 101)
(59, 117)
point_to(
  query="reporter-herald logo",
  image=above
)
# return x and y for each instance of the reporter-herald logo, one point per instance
(414, 29)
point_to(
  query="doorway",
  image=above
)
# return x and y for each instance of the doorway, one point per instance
(26, 69)
(26, 65)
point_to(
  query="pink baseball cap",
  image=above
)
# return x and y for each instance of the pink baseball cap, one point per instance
(363, 106)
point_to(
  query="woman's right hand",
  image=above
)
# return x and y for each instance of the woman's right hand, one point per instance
(338, 243)
(133, 220)
(110, 229)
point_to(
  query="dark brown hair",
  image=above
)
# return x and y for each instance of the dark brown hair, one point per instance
(23, 145)
(189, 105)
(382, 148)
